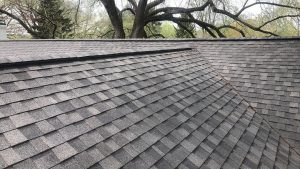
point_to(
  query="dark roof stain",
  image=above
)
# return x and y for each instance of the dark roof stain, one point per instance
(149, 104)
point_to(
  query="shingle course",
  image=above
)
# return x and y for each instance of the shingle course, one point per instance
(162, 110)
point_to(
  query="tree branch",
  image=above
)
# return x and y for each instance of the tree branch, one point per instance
(128, 9)
(106, 33)
(202, 24)
(30, 31)
(186, 29)
(234, 28)
(279, 17)
(133, 3)
(224, 12)
(153, 4)
(177, 10)
(157, 35)
(265, 3)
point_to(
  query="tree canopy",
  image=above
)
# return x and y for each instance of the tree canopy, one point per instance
(51, 22)
(154, 18)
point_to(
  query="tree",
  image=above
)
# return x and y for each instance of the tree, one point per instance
(33, 15)
(143, 18)
(185, 30)
(51, 22)
(146, 11)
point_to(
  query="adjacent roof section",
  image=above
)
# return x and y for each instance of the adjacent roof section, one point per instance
(267, 74)
(163, 110)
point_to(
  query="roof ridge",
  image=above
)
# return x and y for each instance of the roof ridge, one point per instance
(164, 40)
(67, 57)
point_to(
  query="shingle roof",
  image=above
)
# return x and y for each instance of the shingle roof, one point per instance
(267, 74)
(161, 109)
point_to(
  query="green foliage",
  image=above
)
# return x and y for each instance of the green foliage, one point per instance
(168, 30)
(128, 19)
(153, 30)
(52, 22)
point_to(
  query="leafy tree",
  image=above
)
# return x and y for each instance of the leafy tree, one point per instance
(51, 22)
(40, 18)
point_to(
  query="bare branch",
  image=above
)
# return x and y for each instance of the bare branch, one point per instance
(279, 17)
(186, 29)
(266, 3)
(77, 11)
(153, 4)
(157, 35)
(224, 12)
(202, 24)
(28, 29)
(234, 28)
(133, 3)
(106, 33)
(152, 33)
(177, 10)
(127, 9)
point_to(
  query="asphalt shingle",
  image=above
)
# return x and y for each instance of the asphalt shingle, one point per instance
(153, 110)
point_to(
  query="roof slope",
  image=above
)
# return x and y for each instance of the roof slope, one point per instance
(264, 71)
(267, 74)
(162, 110)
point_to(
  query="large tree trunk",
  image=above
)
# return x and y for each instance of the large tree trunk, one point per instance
(115, 18)
(138, 31)
(139, 21)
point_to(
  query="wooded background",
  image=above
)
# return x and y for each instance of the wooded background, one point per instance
(92, 19)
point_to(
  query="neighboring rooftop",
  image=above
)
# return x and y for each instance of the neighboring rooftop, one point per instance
(150, 104)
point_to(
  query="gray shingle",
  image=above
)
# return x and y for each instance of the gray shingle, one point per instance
(110, 163)
(163, 110)
(10, 156)
(3, 142)
(21, 119)
(15, 137)
(27, 164)
(64, 151)
(45, 160)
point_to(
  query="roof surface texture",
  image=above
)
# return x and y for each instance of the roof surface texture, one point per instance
(149, 104)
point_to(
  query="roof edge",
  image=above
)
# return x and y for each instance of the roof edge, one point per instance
(165, 40)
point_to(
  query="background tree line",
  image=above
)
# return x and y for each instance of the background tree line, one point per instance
(50, 19)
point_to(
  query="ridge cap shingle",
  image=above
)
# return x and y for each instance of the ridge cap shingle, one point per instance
(281, 38)
(70, 57)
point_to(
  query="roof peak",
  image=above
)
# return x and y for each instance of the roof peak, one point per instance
(164, 40)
